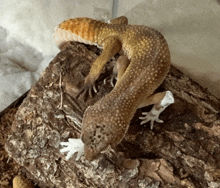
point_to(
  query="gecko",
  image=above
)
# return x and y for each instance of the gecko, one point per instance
(140, 71)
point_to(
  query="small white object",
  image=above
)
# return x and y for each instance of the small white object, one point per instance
(72, 146)
(153, 115)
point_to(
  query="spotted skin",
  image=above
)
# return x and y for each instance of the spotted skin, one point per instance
(106, 122)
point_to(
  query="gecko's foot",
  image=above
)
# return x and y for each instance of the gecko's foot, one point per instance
(73, 146)
(88, 86)
(111, 78)
(86, 89)
(153, 115)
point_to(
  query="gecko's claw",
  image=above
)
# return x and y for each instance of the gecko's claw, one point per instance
(83, 91)
(87, 88)
(94, 89)
(111, 78)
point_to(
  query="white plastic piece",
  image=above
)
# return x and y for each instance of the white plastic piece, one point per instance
(74, 145)
(153, 115)
(167, 100)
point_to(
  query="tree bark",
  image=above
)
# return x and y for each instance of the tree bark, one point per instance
(182, 152)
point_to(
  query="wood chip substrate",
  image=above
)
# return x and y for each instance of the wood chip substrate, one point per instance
(184, 151)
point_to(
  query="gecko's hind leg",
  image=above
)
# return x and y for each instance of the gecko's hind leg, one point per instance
(160, 101)
(118, 70)
(121, 66)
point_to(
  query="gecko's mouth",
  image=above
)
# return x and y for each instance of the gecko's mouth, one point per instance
(90, 153)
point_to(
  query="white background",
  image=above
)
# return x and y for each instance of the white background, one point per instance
(191, 27)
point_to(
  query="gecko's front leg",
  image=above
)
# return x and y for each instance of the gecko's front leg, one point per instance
(89, 85)
(111, 46)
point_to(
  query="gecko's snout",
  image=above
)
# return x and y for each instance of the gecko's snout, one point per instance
(90, 153)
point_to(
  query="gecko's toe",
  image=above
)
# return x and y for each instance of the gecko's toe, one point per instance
(94, 89)
(86, 90)
(89, 85)
(112, 81)
(81, 91)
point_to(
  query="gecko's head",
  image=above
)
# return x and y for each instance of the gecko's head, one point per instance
(96, 141)
(96, 134)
